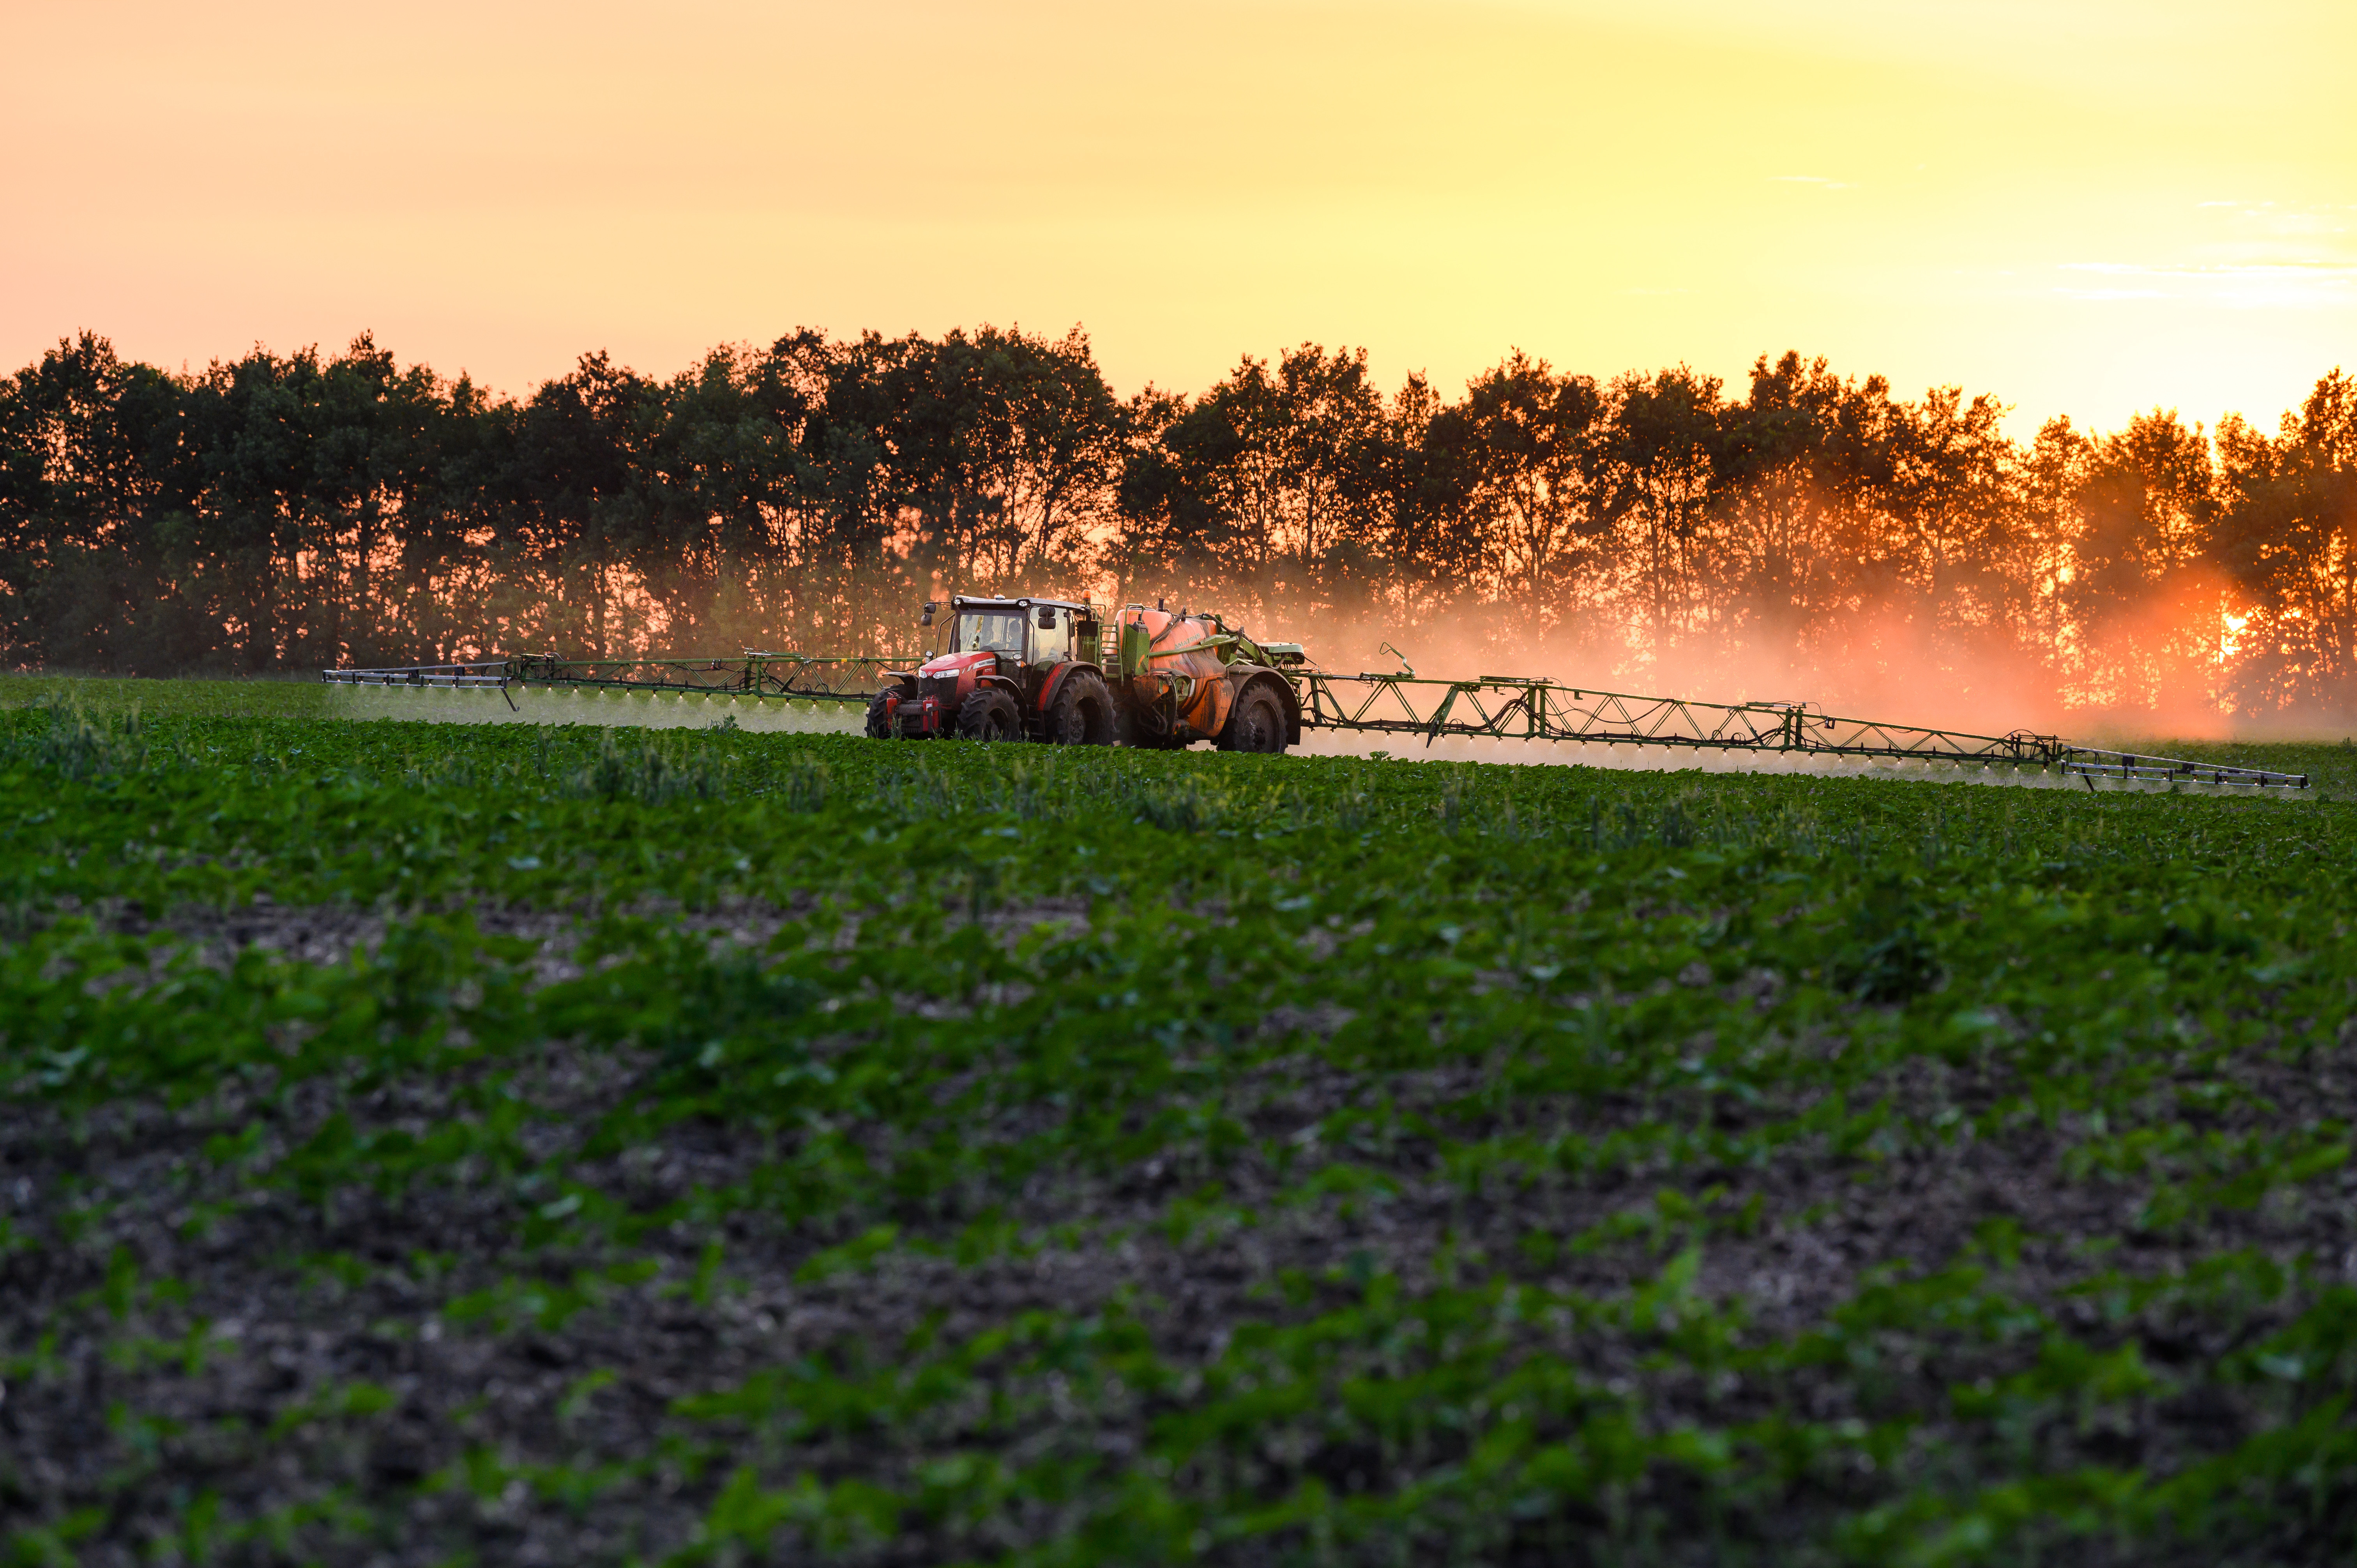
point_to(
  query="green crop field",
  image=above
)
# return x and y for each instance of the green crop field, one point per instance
(438, 1144)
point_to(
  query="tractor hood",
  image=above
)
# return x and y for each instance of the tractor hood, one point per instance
(956, 663)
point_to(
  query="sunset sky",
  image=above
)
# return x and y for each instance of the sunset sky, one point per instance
(2082, 206)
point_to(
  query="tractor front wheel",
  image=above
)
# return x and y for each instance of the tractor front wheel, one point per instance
(880, 718)
(990, 715)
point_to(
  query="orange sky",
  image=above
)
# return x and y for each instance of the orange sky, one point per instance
(2083, 206)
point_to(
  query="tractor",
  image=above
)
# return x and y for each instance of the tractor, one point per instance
(1070, 673)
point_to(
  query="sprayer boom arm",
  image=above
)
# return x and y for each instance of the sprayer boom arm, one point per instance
(824, 677)
(1510, 707)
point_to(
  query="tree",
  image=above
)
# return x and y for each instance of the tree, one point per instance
(1266, 475)
(2146, 609)
(1950, 488)
(1009, 447)
(579, 528)
(1658, 457)
(2287, 541)
(1806, 468)
(1534, 442)
(2045, 485)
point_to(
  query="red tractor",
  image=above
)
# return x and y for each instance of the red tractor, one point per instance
(1065, 672)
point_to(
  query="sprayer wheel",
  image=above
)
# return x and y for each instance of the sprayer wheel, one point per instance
(1256, 724)
(990, 715)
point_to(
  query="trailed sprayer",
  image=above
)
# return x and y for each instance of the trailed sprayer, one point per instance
(1072, 673)
(1068, 672)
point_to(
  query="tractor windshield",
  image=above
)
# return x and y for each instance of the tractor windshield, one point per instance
(1001, 631)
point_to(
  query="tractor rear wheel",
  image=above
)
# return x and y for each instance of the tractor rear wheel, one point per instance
(879, 720)
(990, 715)
(1083, 711)
(1256, 724)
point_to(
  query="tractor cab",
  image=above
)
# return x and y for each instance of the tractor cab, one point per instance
(1004, 674)
(1025, 633)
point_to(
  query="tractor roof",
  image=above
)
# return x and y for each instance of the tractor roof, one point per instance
(965, 601)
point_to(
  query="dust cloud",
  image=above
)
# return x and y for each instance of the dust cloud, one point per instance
(2154, 675)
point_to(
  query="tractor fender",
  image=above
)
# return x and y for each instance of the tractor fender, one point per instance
(1056, 679)
(1242, 677)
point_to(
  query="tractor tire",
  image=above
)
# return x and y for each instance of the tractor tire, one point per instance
(1255, 724)
(1081, 713)
(879, 723)
(990, 715)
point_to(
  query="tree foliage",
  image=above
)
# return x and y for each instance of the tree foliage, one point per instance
(295, 511)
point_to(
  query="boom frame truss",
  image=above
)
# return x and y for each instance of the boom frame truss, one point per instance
(1513, 707)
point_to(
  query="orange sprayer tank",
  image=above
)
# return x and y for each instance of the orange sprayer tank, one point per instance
(1179, 652)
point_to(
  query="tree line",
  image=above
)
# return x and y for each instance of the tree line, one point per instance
(289, 513)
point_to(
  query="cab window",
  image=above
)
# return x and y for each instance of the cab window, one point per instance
(1001, 631)
(1053, 642)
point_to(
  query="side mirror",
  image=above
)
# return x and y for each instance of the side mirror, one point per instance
(1046, 617)
(926, 618)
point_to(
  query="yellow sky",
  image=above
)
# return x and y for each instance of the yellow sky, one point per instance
(2083, 206)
